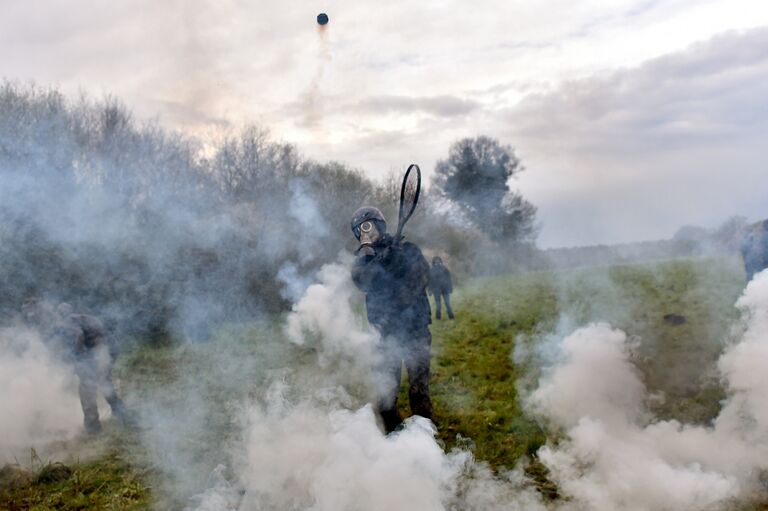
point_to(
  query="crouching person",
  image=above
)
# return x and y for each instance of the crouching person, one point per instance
(83, 341)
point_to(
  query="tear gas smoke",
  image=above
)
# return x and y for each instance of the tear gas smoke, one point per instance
(38, 395)
(313, 458)
(312, 101)
(317, 447)
(615, 455)
(324, 320)
(133, 226)
(130, 224)
(293, 282)
(312, 440)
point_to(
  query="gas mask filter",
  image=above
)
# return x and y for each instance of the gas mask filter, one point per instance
(369, 234)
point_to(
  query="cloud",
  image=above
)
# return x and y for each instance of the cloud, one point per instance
(431, 73)
(709, 90)
(187, 114)
(439, 106)
(633, 154)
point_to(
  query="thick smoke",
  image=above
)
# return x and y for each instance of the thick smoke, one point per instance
(148, 232)
(38, 395)
(311, 443)
(312, 99)
(324, 321)
(137, 227)
(615, 455)
(312, 440)
(310, 457)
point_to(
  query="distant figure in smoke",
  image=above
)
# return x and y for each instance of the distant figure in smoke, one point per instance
(394, 275)
(754, 248)
(441, 286)
(82, 340)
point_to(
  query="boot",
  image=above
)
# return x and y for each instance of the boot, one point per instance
(391, 420)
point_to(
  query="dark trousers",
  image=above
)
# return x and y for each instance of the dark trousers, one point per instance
(96, 376)
(438, 311)
(415, 353)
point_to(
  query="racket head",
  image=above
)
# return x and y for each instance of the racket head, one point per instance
(409, 195)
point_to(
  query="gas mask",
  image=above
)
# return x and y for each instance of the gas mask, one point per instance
(368, 226)
(369, 234)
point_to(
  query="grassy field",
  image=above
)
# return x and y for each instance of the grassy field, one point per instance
(680, 312)
(111, 480)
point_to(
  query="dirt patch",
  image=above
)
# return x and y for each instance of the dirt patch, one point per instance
(675, 319)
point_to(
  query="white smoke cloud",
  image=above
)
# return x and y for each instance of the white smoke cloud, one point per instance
(310, 458)
(325, 320)
(312, 440)
(318, 447)
(294, 283)
(596, 381)
(305, 456)
(615, 456)
(611, 457)
(220, 495)
(304, 209)
(38, 395)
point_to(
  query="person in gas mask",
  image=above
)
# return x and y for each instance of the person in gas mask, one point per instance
(441, 287)
(754, 248)
(83, 341)
(394, 274)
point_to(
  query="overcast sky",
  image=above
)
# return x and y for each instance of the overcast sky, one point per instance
(632, 117)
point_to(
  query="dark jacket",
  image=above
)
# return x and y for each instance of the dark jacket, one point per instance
(440, 280)
(754, 248)
(80, 334)
(394, 282)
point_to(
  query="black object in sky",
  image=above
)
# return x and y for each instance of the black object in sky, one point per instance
(322, 19)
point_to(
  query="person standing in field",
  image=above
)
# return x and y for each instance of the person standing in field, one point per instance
(81, 340)
(441, 287)
(393, 274)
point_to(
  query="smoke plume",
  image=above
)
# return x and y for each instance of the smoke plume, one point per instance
(38, 395)
(615, 455)
(316, 446)
(312, 440)
(275, 410)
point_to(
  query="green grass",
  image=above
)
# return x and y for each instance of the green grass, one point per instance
(474, 379)
(474, 382)
(111, 481)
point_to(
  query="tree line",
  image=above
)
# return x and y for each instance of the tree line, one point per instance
(160, 232)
